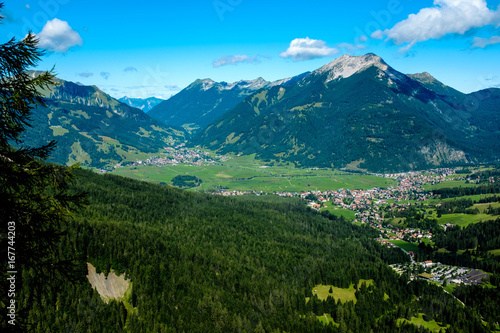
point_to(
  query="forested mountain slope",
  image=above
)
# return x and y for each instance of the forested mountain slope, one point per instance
(359, 112)
(203, 101)
(94, 129)
(228, 265)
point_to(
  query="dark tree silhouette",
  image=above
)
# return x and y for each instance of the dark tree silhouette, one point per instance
(34, 194)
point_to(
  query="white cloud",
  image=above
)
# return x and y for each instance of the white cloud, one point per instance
(362, 39)
(230, 60)
(483, 42)
(105, 75)
(306, 48)
(446, 17)
(379, 34)
(85, 74)
(236, 59)
(58, 36)
(172, 87)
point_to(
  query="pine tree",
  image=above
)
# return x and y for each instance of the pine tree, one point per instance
(34, 195)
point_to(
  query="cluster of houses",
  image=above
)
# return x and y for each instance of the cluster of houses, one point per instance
(367, 203)
(490, 180)
(182, 155)
(433, 176)
(408, 234)
(457, 275)
(442, 274)
(409, 188)
(236, 193)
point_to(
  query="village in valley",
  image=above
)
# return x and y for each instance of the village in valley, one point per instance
(178, 155)
(370, 207)
(375, 207)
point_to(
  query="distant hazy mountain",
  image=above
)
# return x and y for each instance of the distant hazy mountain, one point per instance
(144, 104)
(203, 101)
(358, 112)
(94, 129)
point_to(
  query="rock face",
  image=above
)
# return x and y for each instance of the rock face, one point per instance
(111, 287)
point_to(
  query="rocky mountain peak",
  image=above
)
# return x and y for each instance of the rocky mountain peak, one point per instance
(347, 65)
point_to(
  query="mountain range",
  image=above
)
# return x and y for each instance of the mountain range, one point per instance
(203, 101)
(144, 104)
(356, 113)
(94, 129)
(360, 113)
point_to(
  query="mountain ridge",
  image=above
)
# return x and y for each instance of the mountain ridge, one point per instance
(204, 100)
(94, 129)
(357, 111)
(144, 104)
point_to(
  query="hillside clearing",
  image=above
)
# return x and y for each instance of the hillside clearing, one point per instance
(342, 294)
(112, 287)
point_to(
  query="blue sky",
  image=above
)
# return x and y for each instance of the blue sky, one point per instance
(157, 48)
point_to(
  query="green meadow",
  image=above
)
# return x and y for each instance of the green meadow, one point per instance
(494, 252)
(476, 197)
(245, 173)
(464, 220)
(327, 319)
(342, 294)
(347, 213)
(449, 184)
(406, 245)
(421, 322)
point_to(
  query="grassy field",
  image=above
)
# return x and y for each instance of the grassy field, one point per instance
(450, 288)
(448, 184)
(471, 197)
(342, 294)
(419, 321)
(406, 246)
(495, 252)
(397, 222)
(58, 130)
(427, 241)
(484, 207)
(464, 220)
(347, 213)
(245, 173)
(327, 319)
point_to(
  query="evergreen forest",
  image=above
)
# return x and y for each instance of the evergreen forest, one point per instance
(230, 265)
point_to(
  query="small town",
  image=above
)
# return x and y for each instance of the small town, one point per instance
(440, 273)
(180, 154)
(367, 205)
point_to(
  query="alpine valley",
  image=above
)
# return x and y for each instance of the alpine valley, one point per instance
(356, 113)
(309, 236)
